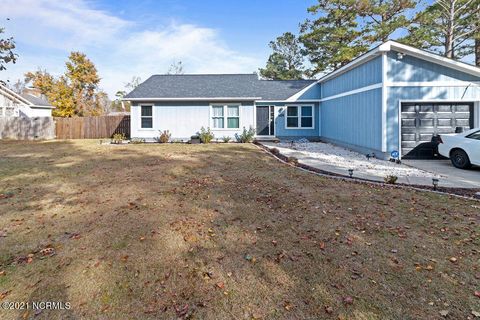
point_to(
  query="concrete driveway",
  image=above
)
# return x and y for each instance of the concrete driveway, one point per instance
(449, 175)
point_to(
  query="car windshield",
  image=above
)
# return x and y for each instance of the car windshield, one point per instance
(475, 135)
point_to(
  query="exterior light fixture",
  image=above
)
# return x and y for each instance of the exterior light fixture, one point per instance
(435, 183)
(400, 56)
(350, 172)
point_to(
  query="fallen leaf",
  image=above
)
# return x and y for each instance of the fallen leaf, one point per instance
(347, 300)
(2, 273)
(142, 238)
(220, 285)
(125, 258)
(453, 259)
(476, 314)
(288, 306)
(444, 313)
(476, 293)
(328, 309)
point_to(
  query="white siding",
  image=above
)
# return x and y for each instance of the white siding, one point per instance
(184, 119)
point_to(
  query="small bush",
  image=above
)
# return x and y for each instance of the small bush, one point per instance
(246, 136)
(226, 139)
(164, 136)
(118, 138)
(206, 135)
(275, 151)
(390, 179)
(292, 160)
(137, 141)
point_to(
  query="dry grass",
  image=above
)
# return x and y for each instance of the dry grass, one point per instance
(223, 232)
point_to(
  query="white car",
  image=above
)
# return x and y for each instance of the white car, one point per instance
(463, 149)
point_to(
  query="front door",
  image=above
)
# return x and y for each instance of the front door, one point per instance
(265, 121)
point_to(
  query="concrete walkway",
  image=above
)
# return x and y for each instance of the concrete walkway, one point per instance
(446, 178)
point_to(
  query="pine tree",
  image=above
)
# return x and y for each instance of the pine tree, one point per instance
(382, 18)
(333, 39)
(446, 27)
(286, 61)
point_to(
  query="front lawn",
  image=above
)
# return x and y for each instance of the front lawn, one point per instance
(223, 232)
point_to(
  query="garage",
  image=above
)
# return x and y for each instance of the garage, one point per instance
(420, 121)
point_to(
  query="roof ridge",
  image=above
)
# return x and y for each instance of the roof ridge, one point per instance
(208, 74)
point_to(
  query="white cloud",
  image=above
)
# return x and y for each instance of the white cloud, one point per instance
(46, 31)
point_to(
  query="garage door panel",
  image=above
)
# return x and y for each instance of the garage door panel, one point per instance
(462, 122)
(445, 122)
(408, 108)
(408, 122)
(426, 108)
(444, 108)
(462, 108)
(420, 121)
(427, 123)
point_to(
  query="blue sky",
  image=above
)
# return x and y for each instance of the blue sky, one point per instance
(139, 38)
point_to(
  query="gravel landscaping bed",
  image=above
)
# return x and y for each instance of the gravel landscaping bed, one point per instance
(343, 158)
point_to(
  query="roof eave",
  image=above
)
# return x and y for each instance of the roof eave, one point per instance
(396, 46)
(193, 99)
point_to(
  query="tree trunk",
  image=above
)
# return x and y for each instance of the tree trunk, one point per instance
(477, 51)
(450, 30)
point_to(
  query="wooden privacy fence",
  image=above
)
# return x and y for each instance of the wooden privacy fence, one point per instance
(92, 127)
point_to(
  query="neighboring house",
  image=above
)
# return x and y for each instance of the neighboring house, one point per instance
(23, 105)
(393, 98)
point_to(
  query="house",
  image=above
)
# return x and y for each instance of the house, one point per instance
(392, 99)
(28, 104)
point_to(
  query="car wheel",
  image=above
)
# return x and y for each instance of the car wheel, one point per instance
(460, 159)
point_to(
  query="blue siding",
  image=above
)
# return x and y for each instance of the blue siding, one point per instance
(417, 70)
(364, 75)
(313, 93)
(395, 94)
(280, 119)
(354, 120)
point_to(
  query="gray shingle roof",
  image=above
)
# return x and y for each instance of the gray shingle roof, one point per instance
(36, 100)
(216, 86)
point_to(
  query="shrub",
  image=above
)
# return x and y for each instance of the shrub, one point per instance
(390, 179)
(226, 139)
(275, 151)
(292, 160)
(118, 138)
(137, 141)
(164, 136)
(246, 136)
(206, 135)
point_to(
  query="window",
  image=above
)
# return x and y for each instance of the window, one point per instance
(233, 117)
(226, 116)
(147, 117)
(475, 135)
(300, 117)
(217, 116)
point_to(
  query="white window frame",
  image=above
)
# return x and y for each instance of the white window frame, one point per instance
(141, 117)
(299, 116)
(225, 115)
